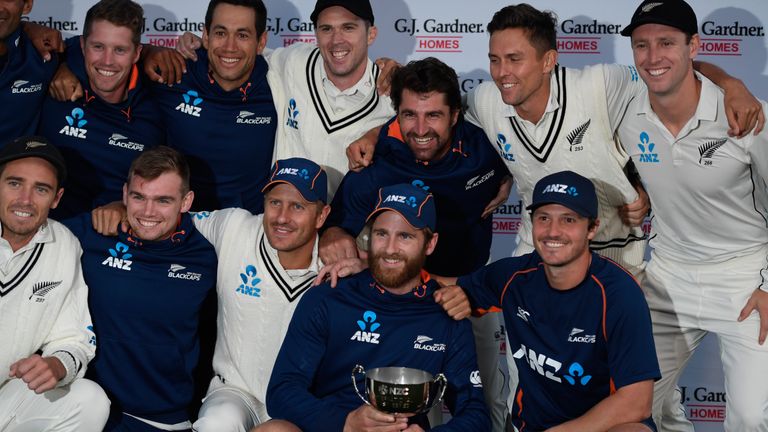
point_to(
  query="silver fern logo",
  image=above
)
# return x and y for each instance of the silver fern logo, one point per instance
(40, 289)
(708, 149)
(577, 135)
(649, 7)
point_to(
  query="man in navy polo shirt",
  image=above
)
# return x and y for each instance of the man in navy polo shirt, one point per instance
(102, 132)
(578, 324)
(429, 146)
(24, 74)
(147, 287)
(221, 114)
(384, 316)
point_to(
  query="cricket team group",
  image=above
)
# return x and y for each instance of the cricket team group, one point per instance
(213, 237)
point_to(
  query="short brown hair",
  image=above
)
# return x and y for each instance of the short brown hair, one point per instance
(157, 161)
(539, 26)
(122, 13)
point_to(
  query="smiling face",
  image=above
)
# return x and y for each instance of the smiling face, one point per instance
(663, 57)
(426, 122)
(520, 72)
(109, 58)
(397, 252)
(561, 236)
(343, 39)
(291, 223)
(28, 190)
(154, 206)
(233, 44)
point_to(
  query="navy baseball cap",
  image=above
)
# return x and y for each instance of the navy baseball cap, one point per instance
(414, 204)
(567, 189)
(35, 146)
(361, 8)
(306, 176)
(674, 13)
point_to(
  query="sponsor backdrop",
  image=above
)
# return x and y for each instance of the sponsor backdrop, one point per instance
(733, 36)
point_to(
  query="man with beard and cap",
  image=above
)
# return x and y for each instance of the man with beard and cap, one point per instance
(383, 316)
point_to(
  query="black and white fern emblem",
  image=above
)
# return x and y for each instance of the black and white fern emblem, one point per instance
(707, 150)
(40, 289)
(577, 135)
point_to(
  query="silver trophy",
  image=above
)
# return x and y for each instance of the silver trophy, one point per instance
(400, 390)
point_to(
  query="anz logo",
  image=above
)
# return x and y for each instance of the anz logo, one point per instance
(250, 282)
(420, 184)
(646, 147)
(576, 375)
(545, 366)
(504, 148)
(119, 257)
(191, 103)
(303, 173)
(368, 327)
(293, 115)
(561, 188)
(411, 200)
(75, 124)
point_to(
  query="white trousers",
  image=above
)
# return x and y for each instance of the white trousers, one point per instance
(81, 406)
(487, 330)
(229, 409)
(687, 301)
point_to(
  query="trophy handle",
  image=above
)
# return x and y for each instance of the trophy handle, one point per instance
(442, 382)
(355, 371)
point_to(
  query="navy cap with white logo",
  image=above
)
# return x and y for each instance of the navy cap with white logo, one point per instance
(674, 13)
(306, 176)
(414, 204)
(35, 146)
(567, 189)
(361, 8)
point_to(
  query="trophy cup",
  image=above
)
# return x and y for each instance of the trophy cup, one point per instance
(400, 390)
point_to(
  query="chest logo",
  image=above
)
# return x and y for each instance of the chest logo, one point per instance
(119, 257)
(368, 327)
(647, 155)
(577, 136)
(75, 124)
(708, 149)
(293, 115)
(505, 148)
(250, 282)
(191, 104)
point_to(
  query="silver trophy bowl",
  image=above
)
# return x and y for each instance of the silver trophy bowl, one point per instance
(400, 390)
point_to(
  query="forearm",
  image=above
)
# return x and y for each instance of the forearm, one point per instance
(630, 404)
(296, 404)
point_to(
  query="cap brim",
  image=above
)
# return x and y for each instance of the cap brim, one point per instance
(383, 209)
(579, 211)
(627, 31)
(307, 195)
